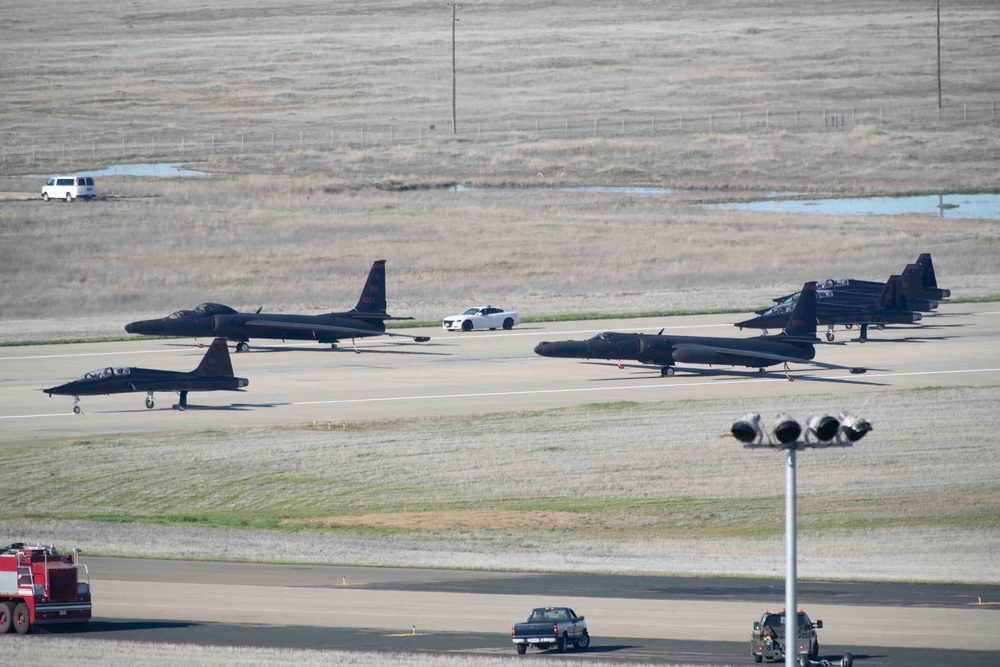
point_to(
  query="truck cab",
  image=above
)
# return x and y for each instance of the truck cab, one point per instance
(768, 642)
(40, 586)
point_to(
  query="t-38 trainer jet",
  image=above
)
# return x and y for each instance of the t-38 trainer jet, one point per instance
(794, 344)
(368, 318)
(214, 373)
(890, 307)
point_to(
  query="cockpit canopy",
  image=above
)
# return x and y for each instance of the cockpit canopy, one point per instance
(202, 310)
(607, 336)
(108, 372)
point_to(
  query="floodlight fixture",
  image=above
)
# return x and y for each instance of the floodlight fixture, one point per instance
(786, 429)
(853, 427)
(748, 430)
(823, 428)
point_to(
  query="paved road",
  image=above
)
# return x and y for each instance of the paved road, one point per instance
(647, 619)
(458, 373)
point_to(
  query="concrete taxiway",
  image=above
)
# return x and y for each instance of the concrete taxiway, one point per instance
(466, 373)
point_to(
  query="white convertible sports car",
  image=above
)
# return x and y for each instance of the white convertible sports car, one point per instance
(481, 317)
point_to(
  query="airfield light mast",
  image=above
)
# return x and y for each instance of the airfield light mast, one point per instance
(841, 431)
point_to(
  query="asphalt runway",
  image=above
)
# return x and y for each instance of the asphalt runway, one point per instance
(657, 620)
(641, 619)
(464, 373)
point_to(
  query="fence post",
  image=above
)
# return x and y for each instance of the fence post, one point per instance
(880, 114)
(623, 126)
(710, 121)
(182, 144)
(152, 148)
(242, 143)
(796, 118)
(965, 114)
(479, 129)
(64, 150)
(595, 127)
(93, 151)
(680, 123)
(302, 138)
(852, 116)
(123, 146)
(213, 144)
(739, 119)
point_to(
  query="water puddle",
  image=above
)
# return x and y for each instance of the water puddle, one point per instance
(985, 206)
(160, 170)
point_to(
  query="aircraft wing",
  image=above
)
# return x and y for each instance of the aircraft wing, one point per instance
(765, 355)
(351, 331)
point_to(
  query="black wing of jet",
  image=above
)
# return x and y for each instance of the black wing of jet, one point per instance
(214, 373)
(367, 318)
(796, 343)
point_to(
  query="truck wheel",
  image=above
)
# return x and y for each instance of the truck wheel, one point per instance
(467, 325)
(757, 658)
(45, 196)
(561, 644)
(22, 619)
(847, 660)
(814, 653)
(522, 649)
(508, 323)
(6, 617)
(583, 643)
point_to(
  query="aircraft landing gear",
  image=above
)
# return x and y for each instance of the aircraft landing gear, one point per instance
(829, 335)
(76, 405)
(242, 346)
(863, 336)
(149, 401)
(183, 403)
(667, 371)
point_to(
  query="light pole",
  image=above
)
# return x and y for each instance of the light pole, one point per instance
(841, 431)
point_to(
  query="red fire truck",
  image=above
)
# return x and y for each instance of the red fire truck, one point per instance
(39, 586)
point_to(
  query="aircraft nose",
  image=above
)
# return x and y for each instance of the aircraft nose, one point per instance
(135, 327)
(565, 348)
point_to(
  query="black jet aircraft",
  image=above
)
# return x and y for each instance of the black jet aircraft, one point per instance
(794, 344)
(889, 308)
(367, 318)
(214, 373)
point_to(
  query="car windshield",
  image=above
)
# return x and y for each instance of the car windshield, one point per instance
(471, 311)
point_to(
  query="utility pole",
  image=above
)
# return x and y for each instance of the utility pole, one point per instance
(454, 123)
(939, 50)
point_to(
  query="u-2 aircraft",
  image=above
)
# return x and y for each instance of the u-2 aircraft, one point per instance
(367, 318)
(214, 373)
(794, 344)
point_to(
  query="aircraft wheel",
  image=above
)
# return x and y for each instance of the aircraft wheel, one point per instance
(667, 371)
(76, 409)
(242, 346)
(862, 340)
(508, 323)
(829, 336)
(761, 370)
(181, 407)
(848, 326)
(149, 403)
(880, 327)
(21, 619)
(467, 325)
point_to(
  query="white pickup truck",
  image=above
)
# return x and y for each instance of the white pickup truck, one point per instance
(481, 317)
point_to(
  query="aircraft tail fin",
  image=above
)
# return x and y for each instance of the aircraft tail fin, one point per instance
(892, 295)
(372, 299)
(928, 279)
(216, 361)
(802, 322)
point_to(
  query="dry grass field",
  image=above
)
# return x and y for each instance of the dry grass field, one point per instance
(292, 220)
(618, 487)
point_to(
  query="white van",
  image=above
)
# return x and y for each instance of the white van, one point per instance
(69, 188)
